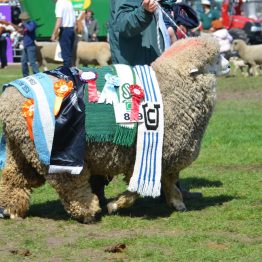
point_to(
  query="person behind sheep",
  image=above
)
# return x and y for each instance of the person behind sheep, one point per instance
(168, 6)
(208, 16)
(186, 19)
(137, 34)
(91, 27)
(27, 29)
(65, 22)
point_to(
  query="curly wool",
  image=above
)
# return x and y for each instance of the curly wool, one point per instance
(188, 93)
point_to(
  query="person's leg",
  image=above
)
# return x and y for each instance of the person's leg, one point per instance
(4, 56)
(66, 41)
(31, 52)
(2, 52)
(24, 61)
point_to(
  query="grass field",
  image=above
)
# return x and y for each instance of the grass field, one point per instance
(224, 225)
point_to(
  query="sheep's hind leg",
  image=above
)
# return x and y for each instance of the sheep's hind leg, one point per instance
(17, 180)
(123, 200)
(76, 195)
(173, 194)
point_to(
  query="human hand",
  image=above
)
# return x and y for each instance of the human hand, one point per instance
(150, 5)
(53, 37)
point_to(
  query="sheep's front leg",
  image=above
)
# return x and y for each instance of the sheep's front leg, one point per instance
(123, 200)
(173, 195)
(18, 178)
(76, 195)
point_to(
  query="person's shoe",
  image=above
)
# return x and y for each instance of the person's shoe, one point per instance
(191, 195)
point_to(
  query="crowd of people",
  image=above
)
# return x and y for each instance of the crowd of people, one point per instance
(148, 27)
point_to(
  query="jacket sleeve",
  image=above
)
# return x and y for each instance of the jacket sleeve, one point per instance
(131, 18)
(30, 26)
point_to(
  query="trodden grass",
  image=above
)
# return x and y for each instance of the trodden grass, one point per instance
(224, 225)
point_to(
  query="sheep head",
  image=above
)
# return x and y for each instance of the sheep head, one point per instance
(198, 55)
(238, 44)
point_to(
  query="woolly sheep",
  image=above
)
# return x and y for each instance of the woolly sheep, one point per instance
(96, 53)
(238, 64)
(45, 53)
(251, 54)
(186, 76)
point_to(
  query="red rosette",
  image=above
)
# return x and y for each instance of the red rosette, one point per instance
(137, 94)
(90, 77)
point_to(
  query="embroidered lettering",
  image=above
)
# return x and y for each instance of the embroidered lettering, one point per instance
(125, 91)
(151, 116)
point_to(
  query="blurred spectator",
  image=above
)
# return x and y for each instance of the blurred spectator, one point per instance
(186, 19)
(3, 46)
(224, 38)
(168, 6)
(88, 26)
(208, 16)
(27, 29)
(5, 29)
(64, 26)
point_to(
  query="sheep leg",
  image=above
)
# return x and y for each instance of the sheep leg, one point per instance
(18, 179)
(123, 200)
(76, 195)
(173, 195)
(254, 70)
(235, 71)
(102, 61)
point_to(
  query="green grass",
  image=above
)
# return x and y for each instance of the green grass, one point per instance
(224, 225)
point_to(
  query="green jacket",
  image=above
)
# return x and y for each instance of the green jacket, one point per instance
(133, 33)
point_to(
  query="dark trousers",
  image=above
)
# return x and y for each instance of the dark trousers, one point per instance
(3, 56)
(66, 41)
(29, 55)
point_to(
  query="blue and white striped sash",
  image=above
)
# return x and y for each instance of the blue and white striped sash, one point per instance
(146, 178)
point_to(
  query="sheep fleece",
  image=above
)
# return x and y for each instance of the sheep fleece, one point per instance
(188, 101)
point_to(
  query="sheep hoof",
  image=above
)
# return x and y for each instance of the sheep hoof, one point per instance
(89, 220)
(111, 207)
(179, 206)
(4, 213)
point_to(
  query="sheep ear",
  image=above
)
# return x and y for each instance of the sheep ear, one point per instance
(193, 71)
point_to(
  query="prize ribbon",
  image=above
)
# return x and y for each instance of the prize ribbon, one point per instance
(28, 113)
(137, 94)
(62, 89)
(109, 94)
(90, 78)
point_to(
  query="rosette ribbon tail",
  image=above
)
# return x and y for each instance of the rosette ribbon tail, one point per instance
(137, 95)
(62, 89)
(92, 91)
(109, 94)
(28, 113)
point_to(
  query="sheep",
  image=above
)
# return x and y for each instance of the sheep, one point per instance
(96, 53)
(251, 54)
(186, 76)
(45, 53)
(238, 64)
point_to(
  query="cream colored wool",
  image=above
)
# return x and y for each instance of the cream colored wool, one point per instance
(188, 100)
(86, 53)
(251, 54)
